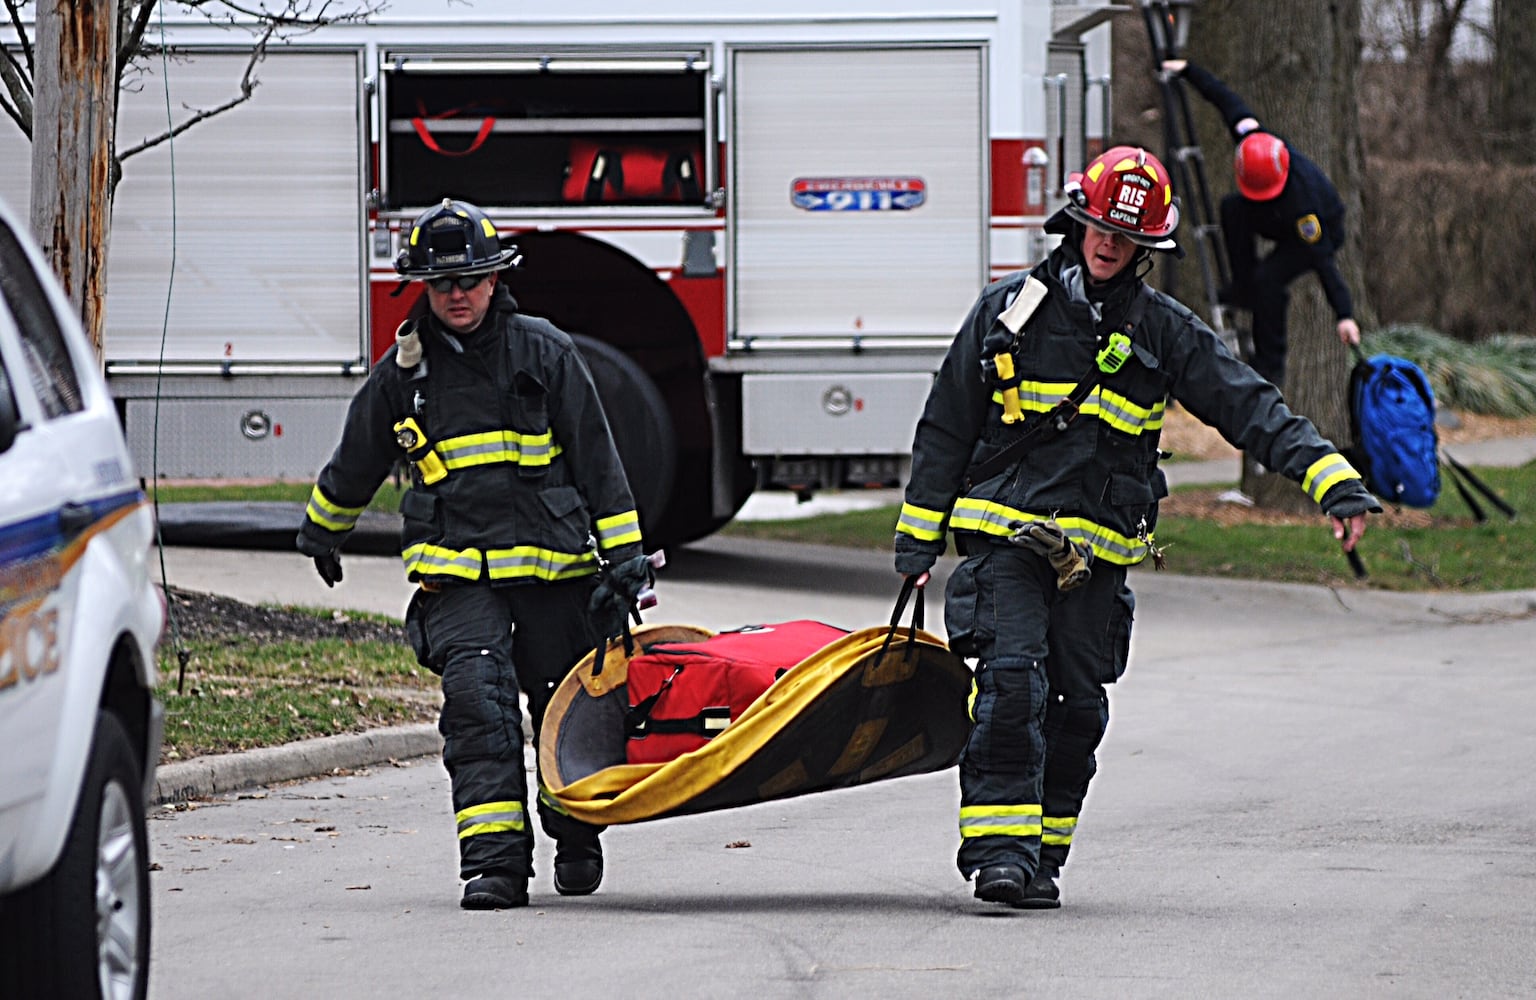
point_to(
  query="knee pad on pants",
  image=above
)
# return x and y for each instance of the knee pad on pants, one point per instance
(1074, 728)
(480, 713)
(1010, 712)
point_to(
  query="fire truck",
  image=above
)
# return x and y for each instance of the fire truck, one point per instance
(763, 223)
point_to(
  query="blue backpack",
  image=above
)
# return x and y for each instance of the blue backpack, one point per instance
(1392, 409)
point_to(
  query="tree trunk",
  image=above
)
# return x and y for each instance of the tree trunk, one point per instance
(75, 106)
(1296, 64)
(1514, 78)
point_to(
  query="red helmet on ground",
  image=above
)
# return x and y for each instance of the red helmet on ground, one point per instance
(1262, 164)
(1126, 190)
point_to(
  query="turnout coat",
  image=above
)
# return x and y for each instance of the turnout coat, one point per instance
(534, 489)
(1099, 478)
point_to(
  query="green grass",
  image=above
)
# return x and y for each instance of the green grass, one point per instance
(240, 693)
(1453, 552)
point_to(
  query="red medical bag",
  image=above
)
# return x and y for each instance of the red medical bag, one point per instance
(683, 694)
(631, 172)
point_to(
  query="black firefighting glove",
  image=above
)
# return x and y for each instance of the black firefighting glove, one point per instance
(613, 600)
(915, 557)
(1071, 560)
(327, 559)
(1350, 499)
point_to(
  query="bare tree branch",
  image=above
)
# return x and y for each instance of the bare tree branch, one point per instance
(130, 35)
(13, 8)
(296, 17)
(1437, 48)
(248, 85)
(16, 97)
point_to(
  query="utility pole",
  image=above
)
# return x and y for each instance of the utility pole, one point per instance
(72, 133)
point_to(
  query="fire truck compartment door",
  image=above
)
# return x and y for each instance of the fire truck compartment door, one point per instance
(843, 414)
(262, 214)
(858, 190)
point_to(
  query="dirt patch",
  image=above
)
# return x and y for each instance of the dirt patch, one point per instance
(210, 617)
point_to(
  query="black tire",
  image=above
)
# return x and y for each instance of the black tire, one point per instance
(641, 425)
(70, 942)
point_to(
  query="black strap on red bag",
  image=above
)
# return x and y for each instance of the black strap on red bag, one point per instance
(909, 588)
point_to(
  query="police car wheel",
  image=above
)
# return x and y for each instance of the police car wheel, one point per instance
(84, 928)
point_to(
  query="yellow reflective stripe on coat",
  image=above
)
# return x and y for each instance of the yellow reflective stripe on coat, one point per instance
(921, 523)
(618, 529)
(492, 817)
(548, 801)
(435, 560)
(991, 518)
(1000, 821)
(491, 447)
(1111, 407)
(329, 514)
(542, 564)
(1326, 472)
(1058, 830)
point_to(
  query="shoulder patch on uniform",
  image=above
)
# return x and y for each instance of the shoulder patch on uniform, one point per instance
(1309, 229)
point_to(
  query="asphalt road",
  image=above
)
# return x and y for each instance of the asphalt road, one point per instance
(1302, 793)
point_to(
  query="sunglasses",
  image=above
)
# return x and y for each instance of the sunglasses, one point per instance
(464, 282)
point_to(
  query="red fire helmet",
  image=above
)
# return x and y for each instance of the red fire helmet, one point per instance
(1126, 190)
(1262, 164)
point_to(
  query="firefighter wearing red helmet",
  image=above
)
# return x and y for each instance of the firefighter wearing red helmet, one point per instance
(1038, 451)
(519, 527)
(1287, 199)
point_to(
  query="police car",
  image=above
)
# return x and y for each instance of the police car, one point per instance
(80, 725)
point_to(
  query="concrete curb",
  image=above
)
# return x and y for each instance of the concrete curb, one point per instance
(205, 777)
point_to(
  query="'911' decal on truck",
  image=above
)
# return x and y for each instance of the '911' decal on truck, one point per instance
(858, 194)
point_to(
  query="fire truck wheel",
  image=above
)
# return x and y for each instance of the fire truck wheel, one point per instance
(642, 427)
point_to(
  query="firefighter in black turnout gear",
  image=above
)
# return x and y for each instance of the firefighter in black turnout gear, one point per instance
(1038, 449)
(519, 527)
(1287, 199)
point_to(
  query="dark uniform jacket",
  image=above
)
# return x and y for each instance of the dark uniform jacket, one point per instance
(1099, 478)
(534, 486)
(1308, 211)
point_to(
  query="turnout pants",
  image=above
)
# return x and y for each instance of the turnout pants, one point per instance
(1262, 285)
(489, 644)
(1039, 702)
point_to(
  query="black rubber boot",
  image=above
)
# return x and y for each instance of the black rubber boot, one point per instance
(1001, 884)
(1041, 893)
(578, 870)
(495, 892)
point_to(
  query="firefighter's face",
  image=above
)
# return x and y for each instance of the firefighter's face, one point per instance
(1106, 253)
(461, 309)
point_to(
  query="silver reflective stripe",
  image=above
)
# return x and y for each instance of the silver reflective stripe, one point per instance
(1058, 829)
(434, 559)
(1325, 473)
(1000, 821)
(920, 522)
(546, 564)
(492, 817)
(618, 529)
(988, 517)
(330, 515)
